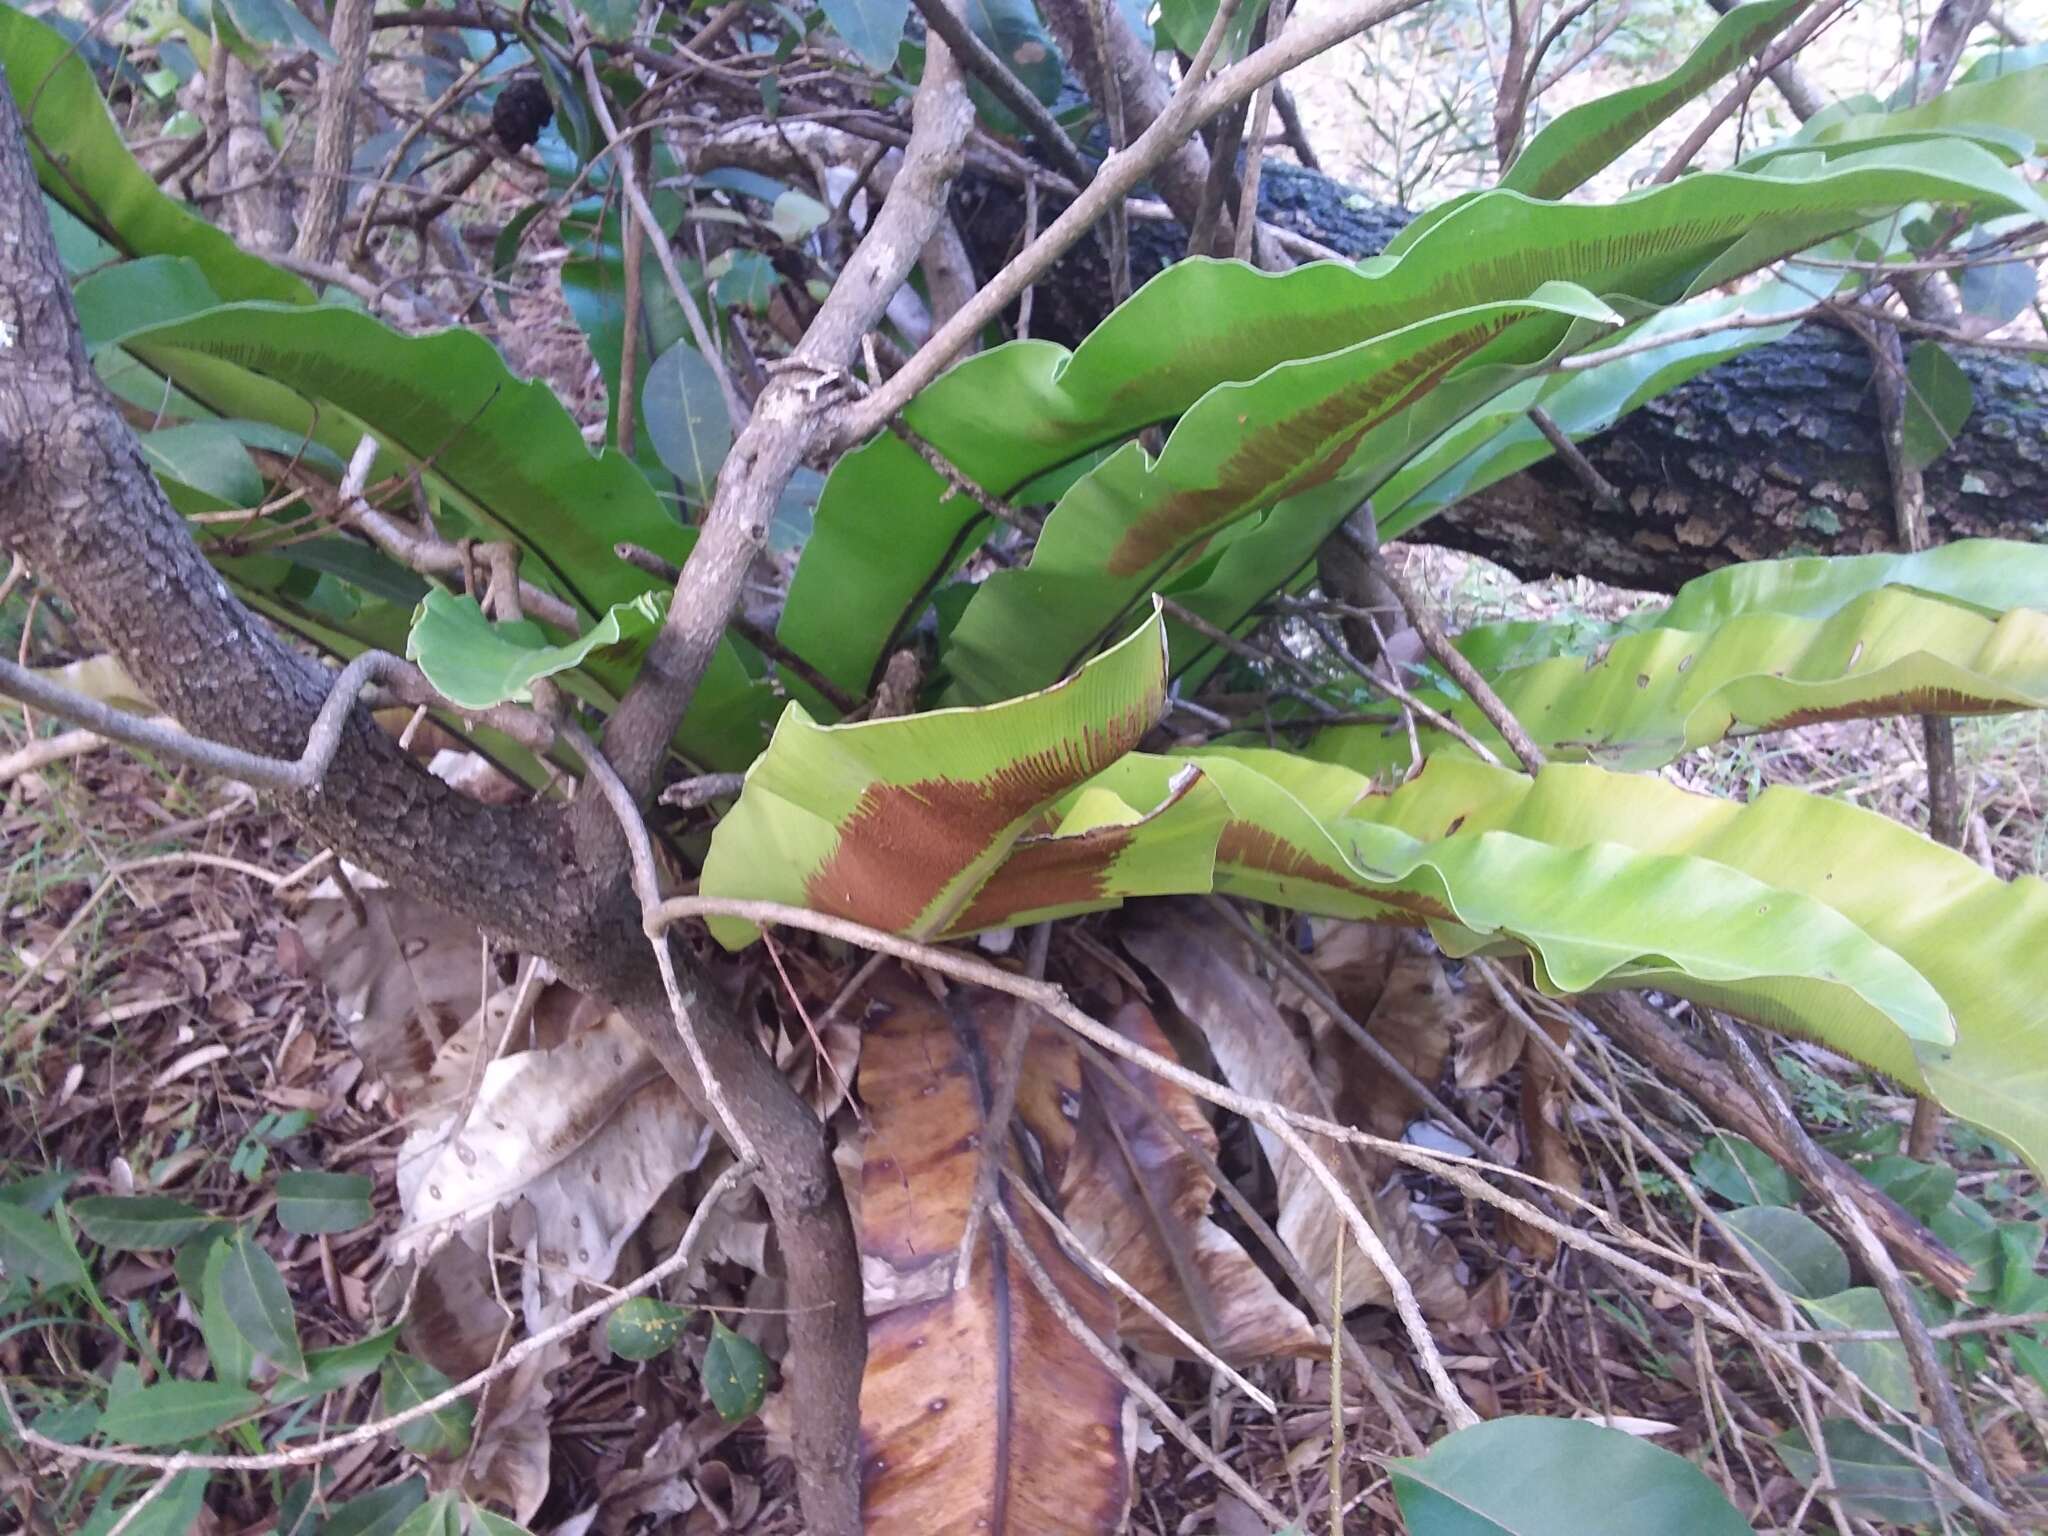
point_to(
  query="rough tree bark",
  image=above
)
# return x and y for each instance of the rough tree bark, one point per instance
(1776, 452)
(80, 505)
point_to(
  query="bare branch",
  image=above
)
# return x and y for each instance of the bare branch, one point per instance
(334, 140)
(1118, 175)
(981, 62)
(1958, 1438)
(787, 423)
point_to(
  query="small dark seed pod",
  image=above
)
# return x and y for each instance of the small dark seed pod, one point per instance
(520, 112)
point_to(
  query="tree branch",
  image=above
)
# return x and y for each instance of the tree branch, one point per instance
(1194, 104)
(786, 425)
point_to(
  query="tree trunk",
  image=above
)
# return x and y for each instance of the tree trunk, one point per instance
(1777, 452)
(81, 506)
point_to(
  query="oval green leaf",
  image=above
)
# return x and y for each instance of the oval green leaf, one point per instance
(405, 1383)
(138, 1223)
(735, 1374)
(258, 1304)
(1557, 1477)
(310, 1203)
(172, 1412)
(1792, 1248)
(645, 1327)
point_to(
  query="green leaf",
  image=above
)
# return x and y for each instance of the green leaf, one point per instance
(2014, 103)
(1013, 32)
(1872, 1479)
(796, 216)
(174, 1512)
(483, 1520)
(1924, 1189)
(830, 814)
(872, 28)
(735, 1374)
(1328, 425)
(475, 663)
(686, 417)
(172, 1412)
(1987, 576)
(1931, 907)
(310, 1203)
(101, 182)
(1592, 913)
(69, 1423)
(1938, 401)
(645, 1327)
(207, 457)
(258, 1304)
(2031, 1355)
(138, 1223)
(610, 19)
(1880, 1364)
(748, 282)
(329, 1370)
(31, 1245)
(1790, 1245)
(1641, 700)
(1556, 1477)
(439, 1516)
(407, 1382)
(381, 1513)
(1010, 414)
(1742, 1173)
(1580, 143)
(276, 24)
(2019, 1250)
(232, 1357)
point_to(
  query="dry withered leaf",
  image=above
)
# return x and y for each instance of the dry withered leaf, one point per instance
(1487, 1039)
(980, 1412)
(1207, 970)
(402, 984)
(588, 1134)
(1412, 1017)
(1546, 1150)
(1140, 1204)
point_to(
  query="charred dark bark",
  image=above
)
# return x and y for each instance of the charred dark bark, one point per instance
(1777, 452)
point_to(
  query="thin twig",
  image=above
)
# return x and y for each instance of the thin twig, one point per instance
(960, 482)
(995, 1131)
(1078, 1252)
(629, 183)
(1453, 661)
(984, 64)
(1198, 100)
(647, 886)
(1605, 496)
(1958, 1438)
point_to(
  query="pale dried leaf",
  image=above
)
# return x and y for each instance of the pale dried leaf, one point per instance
(402, 984)
(589, 1134)
(1546, 1150)
(508, 1467)
(1412, 1019)
(1140, 1204)
(1487, 1038)
(1206, 969)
